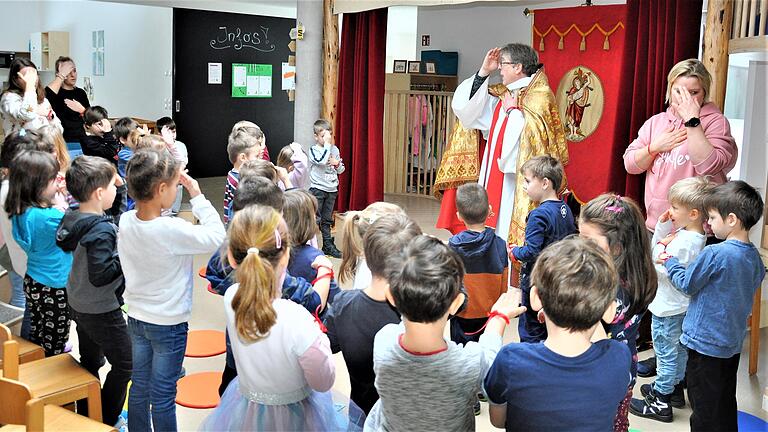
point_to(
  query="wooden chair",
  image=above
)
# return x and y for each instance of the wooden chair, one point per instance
(56, 380)
(20, 411)
(27, 351)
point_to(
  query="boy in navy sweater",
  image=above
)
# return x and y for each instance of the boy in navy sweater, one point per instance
(549, 222)
(485, 261)
(721, 282)
(568, 382)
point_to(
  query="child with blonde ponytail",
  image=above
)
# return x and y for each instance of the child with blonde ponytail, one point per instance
(356, 223)
(284, 362)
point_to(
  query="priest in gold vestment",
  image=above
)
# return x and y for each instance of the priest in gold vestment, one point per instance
(519, 120)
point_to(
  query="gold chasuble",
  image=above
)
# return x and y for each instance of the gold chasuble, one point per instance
(543, 133)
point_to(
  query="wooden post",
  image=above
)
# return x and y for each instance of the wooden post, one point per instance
(717, 34)
(330, 61)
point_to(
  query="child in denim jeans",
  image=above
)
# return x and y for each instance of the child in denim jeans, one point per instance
(156, 254)
(722, 282)
(679, 233)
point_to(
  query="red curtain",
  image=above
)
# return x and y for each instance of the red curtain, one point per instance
(659, 34)
(360, 108)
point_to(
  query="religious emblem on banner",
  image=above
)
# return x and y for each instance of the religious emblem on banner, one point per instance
(580, 101)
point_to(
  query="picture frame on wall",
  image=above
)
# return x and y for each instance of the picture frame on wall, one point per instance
(414, 67)
(401, 66)
(430, 67)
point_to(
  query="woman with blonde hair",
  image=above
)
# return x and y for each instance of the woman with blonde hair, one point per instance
(691, 138)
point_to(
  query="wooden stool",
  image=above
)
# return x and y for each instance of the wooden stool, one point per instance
(56, 380)
(19, 409)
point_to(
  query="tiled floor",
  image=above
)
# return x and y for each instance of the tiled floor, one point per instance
(208, 313)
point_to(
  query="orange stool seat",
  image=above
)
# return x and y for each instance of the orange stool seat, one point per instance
(205, 343)
(199, 390)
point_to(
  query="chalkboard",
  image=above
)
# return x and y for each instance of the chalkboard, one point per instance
(204, 113)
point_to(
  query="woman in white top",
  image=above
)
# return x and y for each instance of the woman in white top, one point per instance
(23, 103)
(284, 364)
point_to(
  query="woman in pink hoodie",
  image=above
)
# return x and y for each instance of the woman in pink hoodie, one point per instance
(691, 138)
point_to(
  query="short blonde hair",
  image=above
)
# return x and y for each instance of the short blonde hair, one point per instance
(690, 192)
(690, 68)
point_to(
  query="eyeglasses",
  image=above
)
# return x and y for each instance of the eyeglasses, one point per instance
(501, 64)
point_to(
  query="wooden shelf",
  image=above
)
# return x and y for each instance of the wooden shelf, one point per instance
(46, 47)
(407, 82)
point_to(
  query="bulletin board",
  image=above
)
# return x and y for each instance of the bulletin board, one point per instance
(251, 80)
(204, 105)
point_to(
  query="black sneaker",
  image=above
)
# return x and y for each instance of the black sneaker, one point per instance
(676, 399)
(654, 406)
(477, 408)
(646, 368)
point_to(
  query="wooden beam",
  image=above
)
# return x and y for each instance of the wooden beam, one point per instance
(330, 61)
(717, 32)
(750, 44)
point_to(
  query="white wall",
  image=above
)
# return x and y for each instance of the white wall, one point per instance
(401, 34)
(138, 42)
(19, 20)
(473, 29)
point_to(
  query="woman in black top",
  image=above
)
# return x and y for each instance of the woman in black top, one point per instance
(67, 100)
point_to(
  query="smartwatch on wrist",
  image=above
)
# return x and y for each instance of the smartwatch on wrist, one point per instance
(693, 122)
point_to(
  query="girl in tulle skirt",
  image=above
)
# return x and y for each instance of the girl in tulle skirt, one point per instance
(284, 363)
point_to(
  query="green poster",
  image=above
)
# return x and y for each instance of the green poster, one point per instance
(251, 80)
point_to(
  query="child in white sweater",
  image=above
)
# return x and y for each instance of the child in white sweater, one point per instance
(156, 254)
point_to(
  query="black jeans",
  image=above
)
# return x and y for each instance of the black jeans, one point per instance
(326, 201)
(101, 335)
(712, 391)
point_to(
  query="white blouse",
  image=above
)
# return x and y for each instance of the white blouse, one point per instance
(20, 112)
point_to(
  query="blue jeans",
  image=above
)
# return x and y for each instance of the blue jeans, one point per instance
(671, 355)
(18, 300)
(158, 352)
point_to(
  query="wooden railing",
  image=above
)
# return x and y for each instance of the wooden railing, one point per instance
(748, 31)
(407, 171)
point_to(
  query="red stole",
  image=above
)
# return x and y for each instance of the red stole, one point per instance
(495, 176)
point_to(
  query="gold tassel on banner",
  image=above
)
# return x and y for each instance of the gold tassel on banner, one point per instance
(606, 45)
(583, 44)
(560, 44)
(541, 44)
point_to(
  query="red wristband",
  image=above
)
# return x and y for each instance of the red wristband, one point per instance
(492, 314)
(327, 275)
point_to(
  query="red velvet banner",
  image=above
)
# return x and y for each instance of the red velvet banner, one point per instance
(582, 50)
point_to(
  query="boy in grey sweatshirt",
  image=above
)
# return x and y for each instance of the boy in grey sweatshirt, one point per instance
(325, 165)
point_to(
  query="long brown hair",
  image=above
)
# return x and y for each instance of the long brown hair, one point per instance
(258, 239)
(622, 223)
(15, 82)
(29, 175)
(299, 208)
(356, 223)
